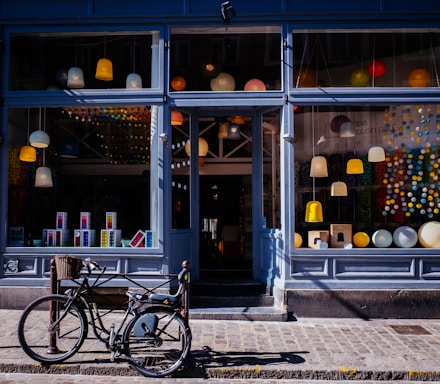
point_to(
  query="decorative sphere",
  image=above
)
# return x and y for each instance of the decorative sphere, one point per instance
(377, 68)
(361, 239)
(405, 237)
(223, 82)
(306, 78)
(298, 240)
(255, 85)
(178, 83)
(418, 77)
(337, 121)
(429, 234)
(382, 238)
(360, 78)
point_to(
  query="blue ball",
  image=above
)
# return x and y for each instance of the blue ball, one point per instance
(405, 237)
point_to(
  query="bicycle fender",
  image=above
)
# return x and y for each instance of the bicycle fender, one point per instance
(145, 325)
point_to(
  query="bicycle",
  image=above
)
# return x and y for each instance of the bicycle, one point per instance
(153, 336)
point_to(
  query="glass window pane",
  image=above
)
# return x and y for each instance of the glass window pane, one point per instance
(40, 62)
(401, 190)
(99, 160)
(213, 59)
(370, 58)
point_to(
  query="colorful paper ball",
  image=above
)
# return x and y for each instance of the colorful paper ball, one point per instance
(223, 82)
(382, 238)
(298, 240)
(360, 78)
(361, 239)
(377, 68)
(429, 234)
(405, 237)
(255, 85)
(178, 83)
(418, 77)
(306, 78)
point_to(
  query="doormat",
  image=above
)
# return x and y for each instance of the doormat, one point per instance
(410, 330)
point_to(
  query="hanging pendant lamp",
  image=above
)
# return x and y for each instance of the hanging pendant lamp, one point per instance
(104, 67)
(75, 78)
(234, 132)
(43, 178)
(376, 154)
(346, 129)
(318, 167)
(134, 80)
(39, 139)
(223, 130)
(355, 167)
(314, 212)
(176, 117)
(339, 188)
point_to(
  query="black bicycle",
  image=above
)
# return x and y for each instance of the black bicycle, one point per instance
(152, 335)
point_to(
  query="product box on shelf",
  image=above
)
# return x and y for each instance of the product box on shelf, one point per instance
(57, 237)
(85, 220)
(16, 236)
(138, 239)
(61, 220)
(317, 239)
(111, 220)
(149, 239)
(110, 238)
(340, 234)
(84, 237)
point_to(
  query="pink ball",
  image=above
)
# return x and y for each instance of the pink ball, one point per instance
(255, 85)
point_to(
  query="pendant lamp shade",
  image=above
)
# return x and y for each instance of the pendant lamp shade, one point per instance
(234, 132)
(134, 81)
(39, 139)
(43, 178)
(75, 78)
(223, 130)
(104, 70)
(28, 154)
(314, 212)
(176, 117)
(355, 167)
(203, 147)
(346, 129)
(339, 188)
(318, 167)
(376, 154)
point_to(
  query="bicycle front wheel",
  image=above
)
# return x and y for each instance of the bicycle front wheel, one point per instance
(51, 329)
(157, 342)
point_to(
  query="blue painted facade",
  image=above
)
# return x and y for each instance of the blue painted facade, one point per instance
(275, 260)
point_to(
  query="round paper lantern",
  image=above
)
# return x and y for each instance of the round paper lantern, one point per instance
(377, 68)
(429, 234)
(255, 85)
(405, 237)
(298, 240)
(178, 83)
(306, 78)
(382, 238)
(360, 78)
(361, 239)
(335, 124)
(418, 77)
(223, 82)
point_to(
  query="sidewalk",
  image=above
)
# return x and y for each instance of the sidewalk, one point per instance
(314, 348)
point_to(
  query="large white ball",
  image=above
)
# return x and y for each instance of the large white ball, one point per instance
(382, 238)
(223, 82)
(429, 234)
(405, 237)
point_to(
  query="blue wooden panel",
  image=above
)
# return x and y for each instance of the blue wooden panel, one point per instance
(310, 268)
(375, 268)
(242, 7)
(431, 269)
(430, 6)
(46, 8)
(138, 7)
(324, 6)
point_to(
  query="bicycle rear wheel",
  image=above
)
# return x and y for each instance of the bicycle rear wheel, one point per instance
(51, 329)
(157, 342)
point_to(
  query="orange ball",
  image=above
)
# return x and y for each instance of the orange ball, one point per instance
(360, 78)
(305, 78)
(418, 77)
(178, 83)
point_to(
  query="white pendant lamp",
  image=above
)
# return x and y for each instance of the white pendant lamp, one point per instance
(376, 154)
(75, 78)
(339, 188)
(346, 129)
(134, 81)
(43, 178)
(39, 139)
(318, 167)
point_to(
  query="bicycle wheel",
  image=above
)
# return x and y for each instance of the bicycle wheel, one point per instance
(157, 342)
(54, 343)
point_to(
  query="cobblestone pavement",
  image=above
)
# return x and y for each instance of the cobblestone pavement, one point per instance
(318, 349)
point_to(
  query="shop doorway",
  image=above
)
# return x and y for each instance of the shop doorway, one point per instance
(226, 231)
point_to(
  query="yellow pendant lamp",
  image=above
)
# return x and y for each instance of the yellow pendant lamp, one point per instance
(104, 68)
(27, 152)
(355, 167)
(314, 212)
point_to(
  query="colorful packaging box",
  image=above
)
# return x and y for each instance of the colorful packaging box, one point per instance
(85, 220)
(84, 237)
(149, 239)
(110, 238)
(138, 239)
(111, 220)
(61, 220)
(57, 237)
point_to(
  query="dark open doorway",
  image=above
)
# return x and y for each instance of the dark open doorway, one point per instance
(226, 217)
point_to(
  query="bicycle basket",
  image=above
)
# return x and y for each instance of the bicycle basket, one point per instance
(67, 267)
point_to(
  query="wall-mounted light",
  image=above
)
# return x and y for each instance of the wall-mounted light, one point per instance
(228, 11)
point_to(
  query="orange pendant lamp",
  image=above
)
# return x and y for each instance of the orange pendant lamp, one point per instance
(104, 68)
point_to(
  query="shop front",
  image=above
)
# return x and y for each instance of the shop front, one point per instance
(260, 145)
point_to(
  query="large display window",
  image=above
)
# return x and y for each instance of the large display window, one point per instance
(83, 177)
(367, 176)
